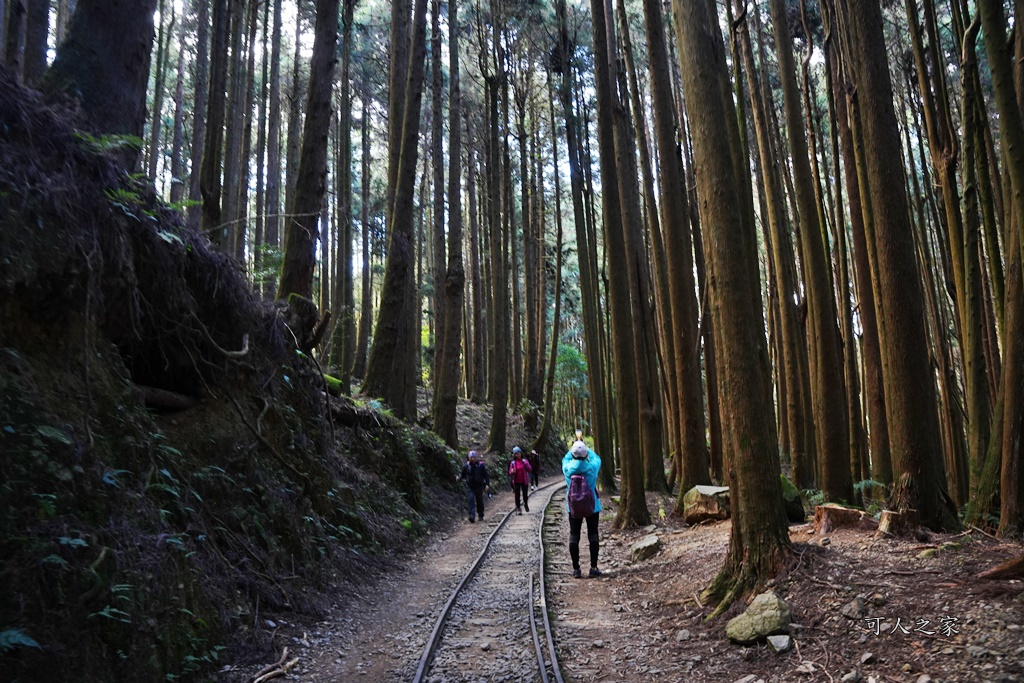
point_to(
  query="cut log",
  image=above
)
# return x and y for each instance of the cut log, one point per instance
(1011, 569)
(830, 516)
(702, 503)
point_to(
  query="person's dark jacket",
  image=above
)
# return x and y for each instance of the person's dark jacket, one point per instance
(475, 476)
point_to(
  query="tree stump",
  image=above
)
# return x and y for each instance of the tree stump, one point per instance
(830, 516)
(895, 523)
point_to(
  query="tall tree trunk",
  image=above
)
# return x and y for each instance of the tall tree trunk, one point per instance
(878, 431)
(972, 312)
(913, 425)
(37, 30)
(828, 390)
(366, 293)
(437, 275)
(498, 311)
(390, 371)
(617, 172)
(210, 172)
(199, 111)
(232, 208)
(759, 542)
(858, 436)
(600, 426)
(944, 149)
(14, 45)
(794, 361)
(104, 63)
(293, 140)
(272, 236)
(652, 358)
(259, 234)
(545, 435)
(300, 231)
(178, 132)
(1011, 519)
(455, 279)
(163, 37)
(348, 315)
(675, 218)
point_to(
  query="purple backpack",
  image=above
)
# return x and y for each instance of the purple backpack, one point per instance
(581, 498)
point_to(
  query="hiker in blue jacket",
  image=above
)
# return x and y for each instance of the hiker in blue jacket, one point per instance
(582, 460)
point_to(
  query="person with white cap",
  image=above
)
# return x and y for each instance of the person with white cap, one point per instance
(580, 467)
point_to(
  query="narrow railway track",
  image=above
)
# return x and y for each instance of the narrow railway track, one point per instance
(495, 624)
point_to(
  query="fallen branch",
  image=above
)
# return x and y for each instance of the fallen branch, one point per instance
(983, 532)
(281, 671)
(270, 667)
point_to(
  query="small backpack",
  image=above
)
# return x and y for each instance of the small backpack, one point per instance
(581, 498)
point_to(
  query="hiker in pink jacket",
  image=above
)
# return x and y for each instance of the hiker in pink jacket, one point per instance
(519, 473)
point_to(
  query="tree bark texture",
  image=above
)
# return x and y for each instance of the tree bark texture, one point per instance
(759, 540)
(301, 231)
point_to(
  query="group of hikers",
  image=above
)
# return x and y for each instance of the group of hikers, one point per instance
(580, 466)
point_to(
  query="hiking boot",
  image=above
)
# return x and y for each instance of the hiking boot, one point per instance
(472, 519)
(577, 574)
(595, 572)
(518, 511)
(526, 507)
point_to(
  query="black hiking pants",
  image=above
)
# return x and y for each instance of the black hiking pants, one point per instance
(575, 527)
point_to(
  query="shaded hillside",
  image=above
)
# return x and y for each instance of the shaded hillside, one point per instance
(169, 466)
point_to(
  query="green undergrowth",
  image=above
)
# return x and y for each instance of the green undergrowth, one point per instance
(141, 542)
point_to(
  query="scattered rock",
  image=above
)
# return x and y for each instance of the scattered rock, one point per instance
(976, 652)
(646, 547)
(597, 644)
(749, 678)
(486, 647)
(682, 635)
(806, 668)
(767, 615)
(851, 677)
(877, 599)
(924, 678)
(854, 609)
(780, 644)
(867, 658)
